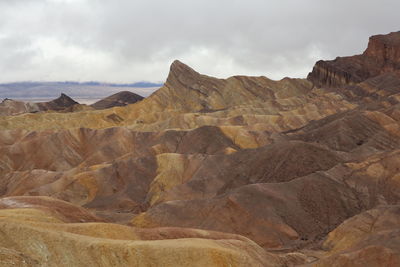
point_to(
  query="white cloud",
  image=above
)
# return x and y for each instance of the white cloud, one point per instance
(126, 41)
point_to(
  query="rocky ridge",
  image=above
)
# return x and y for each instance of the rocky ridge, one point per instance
(244, 171)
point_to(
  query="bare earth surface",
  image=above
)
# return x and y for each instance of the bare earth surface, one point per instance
(244, 171)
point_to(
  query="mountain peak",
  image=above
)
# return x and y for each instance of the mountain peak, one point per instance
(64, 99)
(59, 103)
(181, 73)
(179, 65)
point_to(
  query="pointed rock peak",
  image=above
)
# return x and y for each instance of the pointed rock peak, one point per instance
(64, 96)
(64, 100)
(183, 79)
(181, 72)
(178, 67)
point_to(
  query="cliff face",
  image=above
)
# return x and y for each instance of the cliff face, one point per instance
(385, 49)
(381, 56)
(330, 73)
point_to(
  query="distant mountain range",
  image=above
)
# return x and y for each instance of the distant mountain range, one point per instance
(65, 103)
(81, 89)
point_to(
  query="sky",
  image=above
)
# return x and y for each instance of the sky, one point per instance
(137, 40)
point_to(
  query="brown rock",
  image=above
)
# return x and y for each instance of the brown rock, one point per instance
(275, 215)
(32, 236)
(382, 55)
(280, 162)
(371, 238)
(116, 100)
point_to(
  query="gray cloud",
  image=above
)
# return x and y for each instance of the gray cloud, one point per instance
(126, 41)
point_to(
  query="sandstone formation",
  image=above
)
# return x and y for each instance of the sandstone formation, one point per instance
(381, 56)
(243, 171)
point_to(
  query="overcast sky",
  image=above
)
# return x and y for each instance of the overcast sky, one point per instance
(136, 40)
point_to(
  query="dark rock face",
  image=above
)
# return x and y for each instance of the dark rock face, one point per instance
(340, 71)
(116, 100)
(381, 56)
(60, 103)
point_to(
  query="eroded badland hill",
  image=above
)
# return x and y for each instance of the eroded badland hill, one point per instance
(244, 171)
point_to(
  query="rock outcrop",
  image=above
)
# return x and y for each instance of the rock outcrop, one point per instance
(381, 56)
(243, 171)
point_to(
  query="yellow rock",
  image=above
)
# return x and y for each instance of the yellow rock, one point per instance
(33, 237)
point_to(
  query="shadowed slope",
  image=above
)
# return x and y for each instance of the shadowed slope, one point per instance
(371, 238)
(274, 215)
(280, 162)
(119, 99)
(381, 56)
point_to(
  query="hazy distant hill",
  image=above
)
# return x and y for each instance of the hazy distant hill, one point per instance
(11, 107)
(86, 89)
(122, 98)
